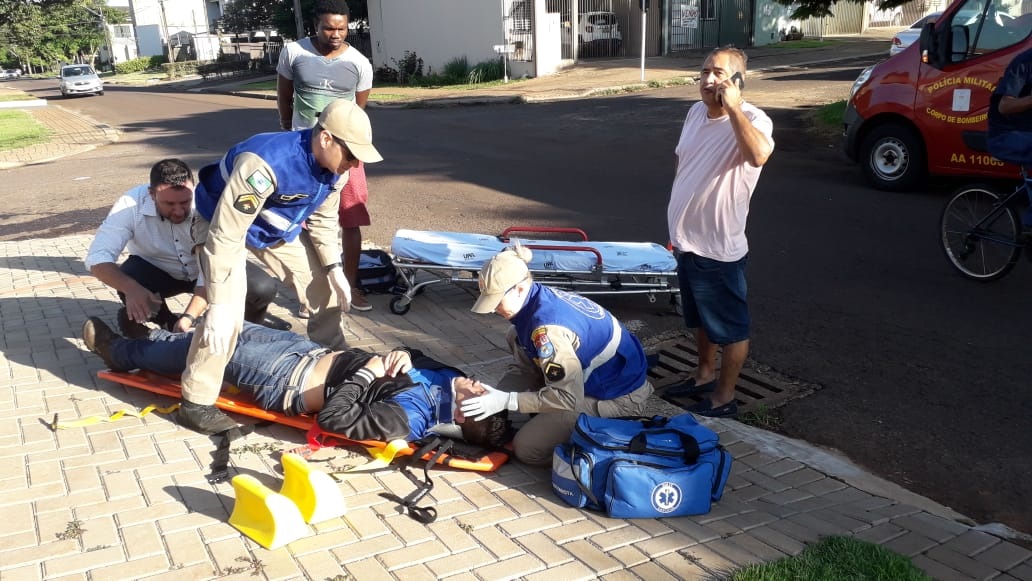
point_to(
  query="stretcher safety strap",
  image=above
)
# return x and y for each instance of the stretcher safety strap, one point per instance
(422, 514)
(220, 456)
(91, 420)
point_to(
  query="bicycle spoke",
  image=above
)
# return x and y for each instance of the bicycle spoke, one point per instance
(979, 234)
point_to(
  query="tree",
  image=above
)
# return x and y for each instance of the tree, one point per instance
(245, 16)
(817, 8)
(42, 33)
(248, 15)
(283, 17)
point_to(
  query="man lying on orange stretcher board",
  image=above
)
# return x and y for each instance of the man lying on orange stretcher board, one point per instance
(356, 394)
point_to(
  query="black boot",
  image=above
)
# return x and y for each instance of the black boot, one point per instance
(205, 419)
(262, 317)
(98, 338)
(131, 328)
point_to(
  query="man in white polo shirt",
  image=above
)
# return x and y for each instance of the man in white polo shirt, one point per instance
(154, 221)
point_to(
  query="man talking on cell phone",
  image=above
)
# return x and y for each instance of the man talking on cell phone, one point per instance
(723, 146)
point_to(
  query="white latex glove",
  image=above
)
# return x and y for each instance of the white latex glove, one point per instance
(340, 284)
(219, 323)
(489, 404)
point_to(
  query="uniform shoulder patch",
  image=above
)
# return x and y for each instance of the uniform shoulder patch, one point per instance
(246, 203)
(259, 182)
(542, 344)
(554, 371)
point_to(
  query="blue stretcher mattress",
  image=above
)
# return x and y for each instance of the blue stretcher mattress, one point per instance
(467, 251)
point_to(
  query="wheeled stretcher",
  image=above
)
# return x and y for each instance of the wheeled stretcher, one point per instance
(581, 266)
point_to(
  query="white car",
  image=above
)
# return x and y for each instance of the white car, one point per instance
(598, 33)
(79, 80)
(906, 37)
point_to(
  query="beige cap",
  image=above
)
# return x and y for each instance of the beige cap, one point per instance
(349, 123)
(507, 269)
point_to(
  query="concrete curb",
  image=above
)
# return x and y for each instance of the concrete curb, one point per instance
(26, 104)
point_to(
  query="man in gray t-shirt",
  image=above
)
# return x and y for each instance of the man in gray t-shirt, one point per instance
(313, 72)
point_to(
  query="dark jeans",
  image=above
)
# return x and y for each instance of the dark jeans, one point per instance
(261, 365)
(261, 289)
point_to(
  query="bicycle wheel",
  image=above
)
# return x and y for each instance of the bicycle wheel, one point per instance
(979, 235)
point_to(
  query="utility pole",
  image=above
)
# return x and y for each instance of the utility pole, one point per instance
(168, 41)
(298, 20)
(107, 35)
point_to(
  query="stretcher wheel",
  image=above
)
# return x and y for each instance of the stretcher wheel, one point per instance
(400, 305)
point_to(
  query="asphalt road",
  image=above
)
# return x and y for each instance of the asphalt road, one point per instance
(923, 375)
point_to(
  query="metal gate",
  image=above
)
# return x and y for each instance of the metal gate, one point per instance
(735, 21)
(518, 23)
(603, 28)
(696, 24)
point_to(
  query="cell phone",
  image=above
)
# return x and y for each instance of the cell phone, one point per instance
(737, 78)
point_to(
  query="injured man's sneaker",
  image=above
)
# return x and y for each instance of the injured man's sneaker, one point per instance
(204, 419)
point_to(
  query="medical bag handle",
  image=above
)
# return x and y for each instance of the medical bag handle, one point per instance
(639, 444)
(543, 230)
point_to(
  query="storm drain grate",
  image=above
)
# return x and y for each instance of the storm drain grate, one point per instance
(674, 361)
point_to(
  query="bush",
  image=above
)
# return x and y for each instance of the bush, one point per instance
(484, 71)
(410, 67)
(385, 75)
(455, 72)
(232, 64)
(180, 68)
(144, 63)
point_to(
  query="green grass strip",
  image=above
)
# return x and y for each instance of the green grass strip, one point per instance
(15, 96)
(18, 129)
(831, 114)
(260, 86)
(836, 559)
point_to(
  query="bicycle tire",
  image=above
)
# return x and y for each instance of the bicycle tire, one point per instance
(983, 252)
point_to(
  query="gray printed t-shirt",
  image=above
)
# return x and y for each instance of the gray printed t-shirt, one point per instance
(319, 80)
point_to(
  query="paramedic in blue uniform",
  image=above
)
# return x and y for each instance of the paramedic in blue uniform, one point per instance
(359, 395)
(570, 356)
(256, 198)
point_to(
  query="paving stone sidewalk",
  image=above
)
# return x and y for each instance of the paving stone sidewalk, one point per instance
(128, 499)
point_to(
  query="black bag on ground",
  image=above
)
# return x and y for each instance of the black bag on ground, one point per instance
(376, 272)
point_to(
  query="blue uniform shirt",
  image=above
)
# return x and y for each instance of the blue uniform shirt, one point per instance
(301, 185)
(612, 360)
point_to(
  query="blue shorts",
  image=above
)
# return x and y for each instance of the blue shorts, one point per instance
(713, 297)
